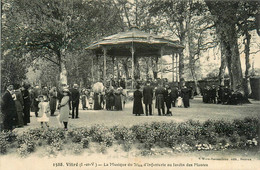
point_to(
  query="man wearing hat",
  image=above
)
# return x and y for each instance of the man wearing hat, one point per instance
(27, 103)
(8, 108)
(148, 98)
(75, 95)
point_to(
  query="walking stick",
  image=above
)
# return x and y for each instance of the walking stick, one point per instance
(153, 107)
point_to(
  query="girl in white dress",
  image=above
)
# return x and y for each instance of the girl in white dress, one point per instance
(44, 109)
(179, 101)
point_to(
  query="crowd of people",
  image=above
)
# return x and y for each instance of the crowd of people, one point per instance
(221, 95)
(164, 96)
(15, 106)
(110, 99)
(18, 101)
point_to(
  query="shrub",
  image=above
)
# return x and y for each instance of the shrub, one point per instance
(145, 134)
(77, 149)
(211, 138)
(125, 136)
(57, 144)
(248, 127)
(140, 132)
(76, 135)
(168, 133)
(26, 146)
(51, 151)
(223, 128)
(102, 134)
(234, 139)
(85, 142)
(52, 135)
(7, 138)
(185, 136)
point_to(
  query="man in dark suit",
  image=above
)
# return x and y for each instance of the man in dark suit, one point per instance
(8, 109)
(148, 98)
(168, 101)
(213, 94)
(174, 95)
(185, 96)
(160, 96)
(75, 100)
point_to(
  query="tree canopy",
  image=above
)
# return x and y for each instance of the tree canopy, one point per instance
(57, 32)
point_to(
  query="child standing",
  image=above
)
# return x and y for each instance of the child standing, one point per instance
(44, 109)
(179, 101)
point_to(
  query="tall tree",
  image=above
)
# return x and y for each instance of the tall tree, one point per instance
(13, 59)
(247, 21)
(53, 29)
(189, 21)
(225, 21)
(228, 17)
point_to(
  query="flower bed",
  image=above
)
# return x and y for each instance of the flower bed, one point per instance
(180, 137)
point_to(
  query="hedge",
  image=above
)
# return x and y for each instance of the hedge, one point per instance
(186, 136)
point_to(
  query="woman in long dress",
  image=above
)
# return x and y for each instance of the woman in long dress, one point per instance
(186, 97)
(138, 106)
(111, 99)
(64, 108)
(83, 99)
(107, 91)
(118, 100)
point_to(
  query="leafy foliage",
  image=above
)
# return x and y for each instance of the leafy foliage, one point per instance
(57, 31)
(186, 136)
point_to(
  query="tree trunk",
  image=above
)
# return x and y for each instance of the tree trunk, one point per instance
(126, 68)
(181, 68)
(98, 69)
(137, 69)
(155, 68)
(195, 80)
(147, 68)
(248, 90)
(222, 67)
(62, 69)
(113, 67)
(227, 33)
(235, 60)
(173, 56)
(63, 75)
(117, 68)
(191, 58)
(181, 54)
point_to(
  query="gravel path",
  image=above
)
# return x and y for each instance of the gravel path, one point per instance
(197, 111)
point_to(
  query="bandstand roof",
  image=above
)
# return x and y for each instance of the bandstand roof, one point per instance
(145, 44)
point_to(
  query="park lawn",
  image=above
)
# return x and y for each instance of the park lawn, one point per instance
(198, 111)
